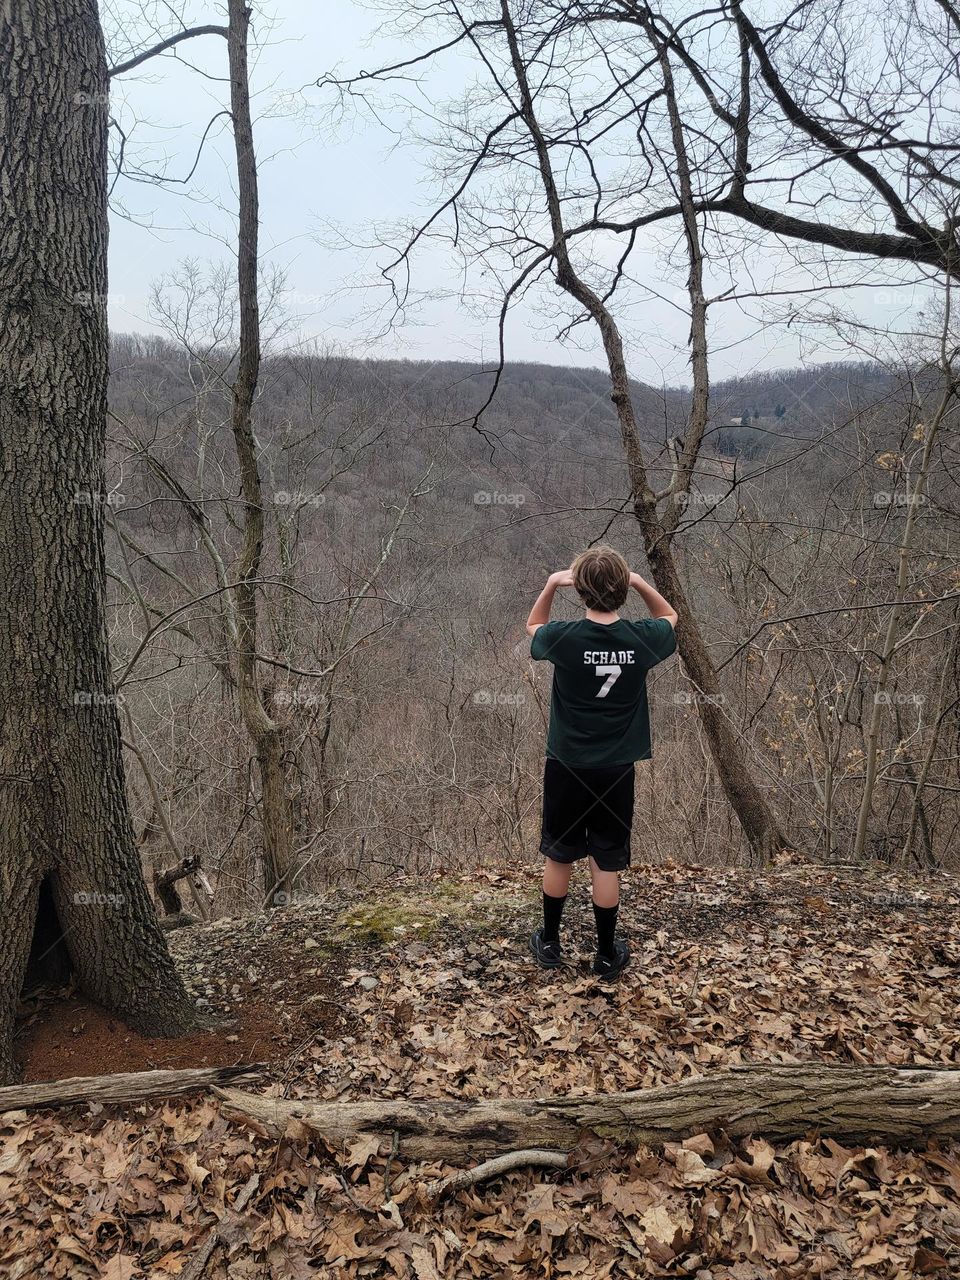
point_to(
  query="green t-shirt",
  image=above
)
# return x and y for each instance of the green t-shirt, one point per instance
(598, 711)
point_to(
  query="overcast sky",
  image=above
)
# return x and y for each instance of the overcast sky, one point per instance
(326, 189)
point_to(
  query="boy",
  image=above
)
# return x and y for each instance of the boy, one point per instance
(599, 725)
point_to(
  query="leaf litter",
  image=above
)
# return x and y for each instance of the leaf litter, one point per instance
(428, 992)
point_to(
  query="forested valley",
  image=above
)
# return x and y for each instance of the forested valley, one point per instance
(411, 536)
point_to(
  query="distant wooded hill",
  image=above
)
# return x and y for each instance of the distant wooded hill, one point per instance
(536, 406)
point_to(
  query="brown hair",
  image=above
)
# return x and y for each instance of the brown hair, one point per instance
(602, 578)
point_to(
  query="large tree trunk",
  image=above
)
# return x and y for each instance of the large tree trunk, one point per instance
(63, 810)
(861, 1104)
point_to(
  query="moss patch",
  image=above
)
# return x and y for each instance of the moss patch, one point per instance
(391, 917)
(385, 920)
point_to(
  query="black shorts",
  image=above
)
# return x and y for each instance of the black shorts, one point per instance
(587, 813)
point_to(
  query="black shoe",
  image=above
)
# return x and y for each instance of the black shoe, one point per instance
(607, 969)
(546, 953)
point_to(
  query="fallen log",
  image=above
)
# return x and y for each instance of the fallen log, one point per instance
(899, 1105)
(129, 1086)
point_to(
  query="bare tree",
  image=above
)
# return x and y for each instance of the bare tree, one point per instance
(265, 733)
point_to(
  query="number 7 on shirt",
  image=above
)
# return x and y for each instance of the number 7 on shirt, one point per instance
(613, 674)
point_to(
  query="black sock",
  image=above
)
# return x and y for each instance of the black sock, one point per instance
(606, 918)
(552, 911)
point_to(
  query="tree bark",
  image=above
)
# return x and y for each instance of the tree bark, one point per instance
(760, 824)
(859, 1104)
(63, 809)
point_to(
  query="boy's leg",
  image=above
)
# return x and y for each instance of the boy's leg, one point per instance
(608, 840)
(562, 841)
(556, 882)
(606, 904)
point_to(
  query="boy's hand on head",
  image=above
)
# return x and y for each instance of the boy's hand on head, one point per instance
(540, 613)
(658, 606)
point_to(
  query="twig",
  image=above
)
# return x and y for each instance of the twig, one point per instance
(387, 1171)
(348, 1192)
(493, 1168)
(693, 984)
(195, 1269)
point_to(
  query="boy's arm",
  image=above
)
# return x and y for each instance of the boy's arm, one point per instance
(540, 613)
(658, 606)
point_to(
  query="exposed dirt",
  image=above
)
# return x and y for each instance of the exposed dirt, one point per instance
(260, 1004)
(72, 1037)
